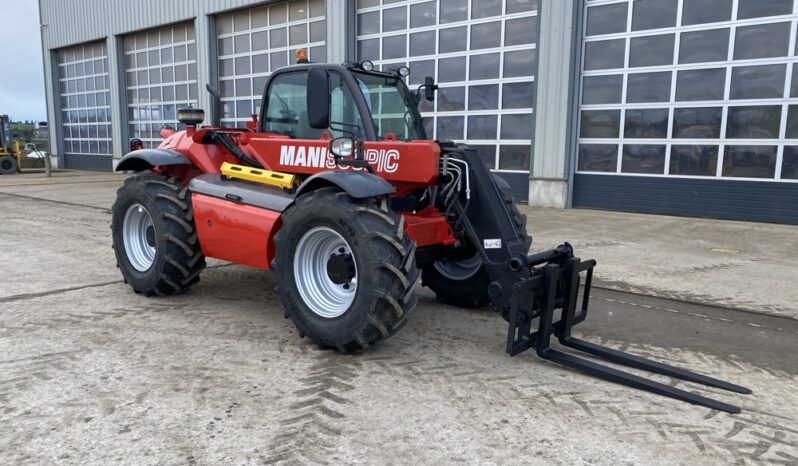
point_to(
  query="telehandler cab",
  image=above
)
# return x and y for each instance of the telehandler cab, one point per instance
(336, 186)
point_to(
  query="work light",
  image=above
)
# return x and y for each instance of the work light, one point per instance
(190, 116)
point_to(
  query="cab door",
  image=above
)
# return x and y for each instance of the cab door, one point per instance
(288, 142)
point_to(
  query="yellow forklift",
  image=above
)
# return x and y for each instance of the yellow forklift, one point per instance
(9, 148)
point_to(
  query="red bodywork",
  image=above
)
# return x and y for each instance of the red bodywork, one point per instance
(406, 165)
(244, 234)
(235, 232)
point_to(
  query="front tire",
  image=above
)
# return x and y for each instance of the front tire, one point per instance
(345, 269)
(8, 165)
(154, 237)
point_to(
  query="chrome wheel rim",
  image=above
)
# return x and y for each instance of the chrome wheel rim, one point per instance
(459, 270)
(138, 234)
(324, 296)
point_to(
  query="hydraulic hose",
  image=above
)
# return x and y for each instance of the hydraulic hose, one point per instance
(227, 142)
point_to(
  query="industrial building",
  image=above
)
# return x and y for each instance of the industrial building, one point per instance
(685, 107)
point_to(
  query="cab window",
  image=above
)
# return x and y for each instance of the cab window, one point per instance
(286, 107)
(343, 108)
(392, 108)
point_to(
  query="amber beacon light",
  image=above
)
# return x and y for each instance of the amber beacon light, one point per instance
(302, 56)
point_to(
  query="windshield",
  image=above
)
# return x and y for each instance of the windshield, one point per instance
(392, 107)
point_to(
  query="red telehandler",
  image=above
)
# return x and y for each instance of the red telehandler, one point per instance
(336, 186)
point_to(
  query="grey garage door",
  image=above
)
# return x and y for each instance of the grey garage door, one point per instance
(690, 107)
(160, 77)
(254, 42)
(85, 105)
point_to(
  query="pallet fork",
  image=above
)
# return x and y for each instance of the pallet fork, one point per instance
(525, 287)
(556, 285)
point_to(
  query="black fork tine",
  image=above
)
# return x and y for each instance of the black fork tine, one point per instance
(631, 380)
(646, 364)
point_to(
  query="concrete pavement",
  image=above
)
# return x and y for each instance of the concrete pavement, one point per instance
(742, 265)
(69, 186)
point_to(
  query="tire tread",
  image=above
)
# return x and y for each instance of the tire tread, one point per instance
(181, 260)
(392, 298)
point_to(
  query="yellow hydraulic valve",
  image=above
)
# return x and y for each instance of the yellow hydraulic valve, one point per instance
(258, 175)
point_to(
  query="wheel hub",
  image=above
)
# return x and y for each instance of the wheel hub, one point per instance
(341, 267)
(325, 272)
(150, 236)
(138, 235)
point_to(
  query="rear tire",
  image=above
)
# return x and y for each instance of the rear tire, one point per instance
(346, 270)
(154, 237)
(8, 165)
(464, 283)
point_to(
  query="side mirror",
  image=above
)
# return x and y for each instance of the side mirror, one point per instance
(318, 98)
(429, 88)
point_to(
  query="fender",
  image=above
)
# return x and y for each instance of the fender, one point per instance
(146, 159)
(357, 184)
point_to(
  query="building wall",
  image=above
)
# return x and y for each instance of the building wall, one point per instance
(76, 21)
(616, 106)
(555, 106)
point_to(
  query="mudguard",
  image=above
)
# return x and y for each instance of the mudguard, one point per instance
(357, 184)
(146, 159)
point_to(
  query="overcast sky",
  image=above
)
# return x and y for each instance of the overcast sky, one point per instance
(21, 75)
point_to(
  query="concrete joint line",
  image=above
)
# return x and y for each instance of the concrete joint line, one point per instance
(26, 296)
(74, 204)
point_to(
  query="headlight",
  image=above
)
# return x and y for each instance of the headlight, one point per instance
(342, 147)
(367, 65)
